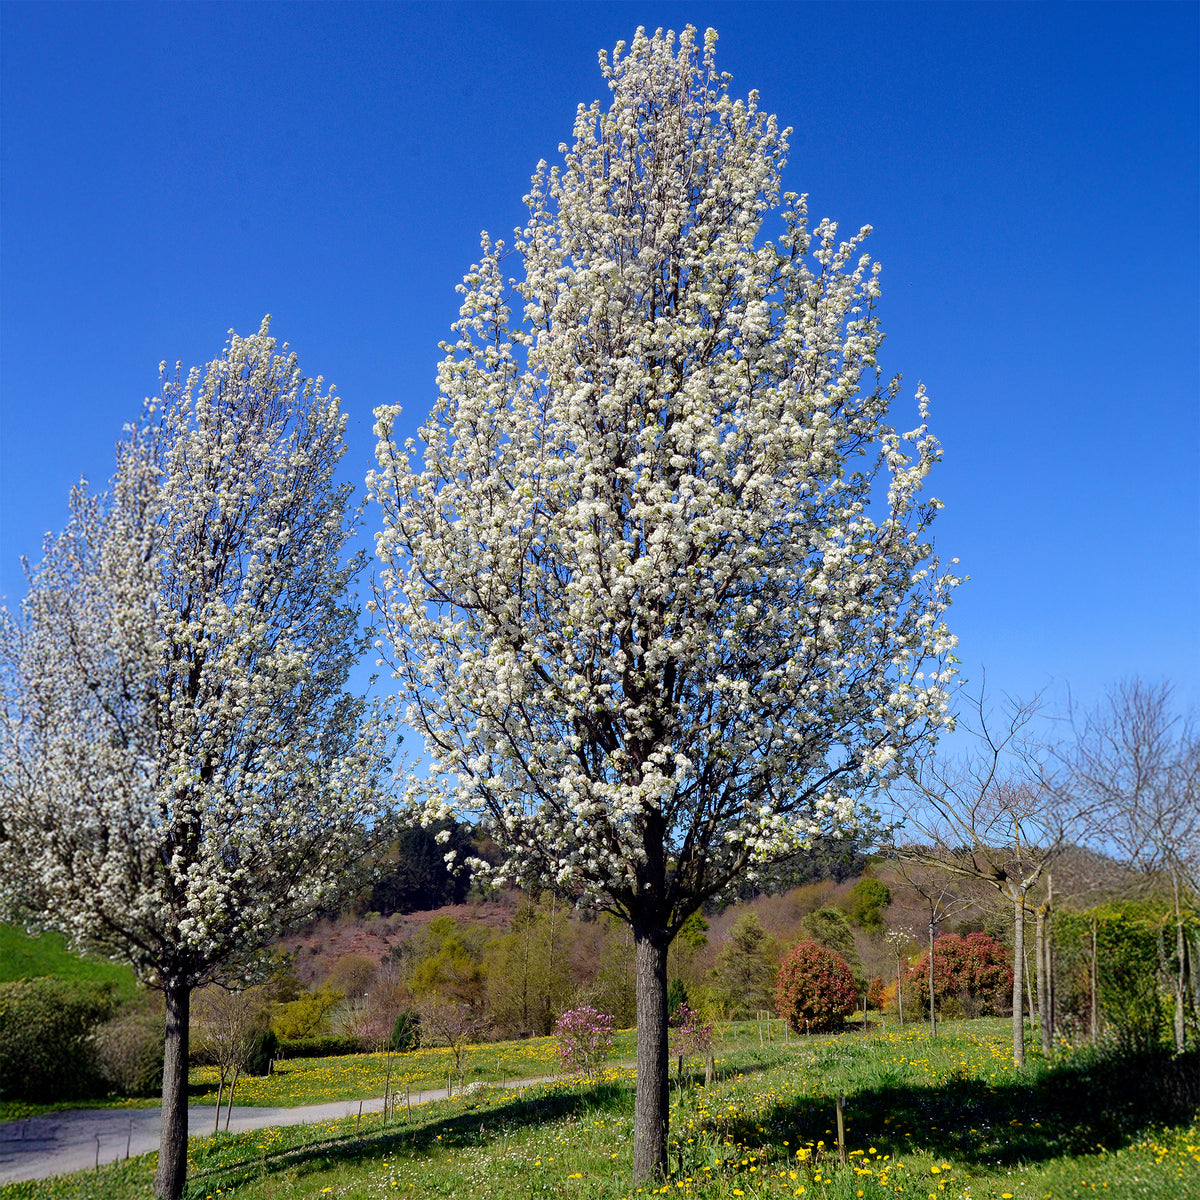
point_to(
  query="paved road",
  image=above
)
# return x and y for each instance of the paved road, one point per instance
(56, 1143)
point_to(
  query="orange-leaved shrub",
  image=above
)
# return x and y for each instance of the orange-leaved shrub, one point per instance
(814, 989)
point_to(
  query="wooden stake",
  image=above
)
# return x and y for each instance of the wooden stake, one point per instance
(841, 1124)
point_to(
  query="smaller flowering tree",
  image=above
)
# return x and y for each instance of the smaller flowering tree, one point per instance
(585, 1037)
(689, 1035)
(814, 989)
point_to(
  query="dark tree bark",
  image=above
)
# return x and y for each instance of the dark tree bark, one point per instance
(651, 1111)
(172, 1153)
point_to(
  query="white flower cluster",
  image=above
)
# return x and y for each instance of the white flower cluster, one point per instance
(657, 585)
(180, 767)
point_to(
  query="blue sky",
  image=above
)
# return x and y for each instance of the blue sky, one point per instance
(168, 172)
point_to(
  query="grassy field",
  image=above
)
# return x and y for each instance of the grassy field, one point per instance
(925, 1119)
(25, 957)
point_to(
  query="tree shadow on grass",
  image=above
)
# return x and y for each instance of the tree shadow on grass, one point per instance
(478, 1123)
(1099, 1099)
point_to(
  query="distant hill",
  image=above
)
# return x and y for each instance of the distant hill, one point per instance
(25, 957)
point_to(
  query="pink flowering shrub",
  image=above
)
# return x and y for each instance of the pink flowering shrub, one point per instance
(584, 1039)
(688, 1035)
(814, 989)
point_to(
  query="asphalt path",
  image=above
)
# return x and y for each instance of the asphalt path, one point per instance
(59, 1142)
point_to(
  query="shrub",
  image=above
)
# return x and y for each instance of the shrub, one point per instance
(46, 1025)
(584, 1039)
(302, 1019)
(876, 993)
(866, 902)
(319, 1047)
(128, 1052)
(406, 1032)
(972, 976)
(690, 1035)
(814, 988)
(677, 998)
(264, 1049)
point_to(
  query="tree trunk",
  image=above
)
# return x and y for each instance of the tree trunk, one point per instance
(651, 1110)
(899, 991)
(229, 1102)
(1094, 983)
(1039, 958)
(932, 1010)
(220, 1097)
(1018, 1015)
(1180, 975)
(172, 1148)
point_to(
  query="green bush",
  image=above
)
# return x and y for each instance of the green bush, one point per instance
(129, 1052)
(319, 1047)
(46, 1051)
(406, 1033)
(266, 1047)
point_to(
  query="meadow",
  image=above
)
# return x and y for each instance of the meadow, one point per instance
(925, 1118)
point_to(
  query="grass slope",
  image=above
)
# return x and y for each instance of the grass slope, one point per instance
(25, 957)
(925, 1118)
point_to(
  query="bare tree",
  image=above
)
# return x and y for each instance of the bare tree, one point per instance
(940, 899)
(1134, 764)
(990, 816)
(227, 1026)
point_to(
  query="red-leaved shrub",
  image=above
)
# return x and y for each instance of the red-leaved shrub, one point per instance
(972, 975)
(814, 989)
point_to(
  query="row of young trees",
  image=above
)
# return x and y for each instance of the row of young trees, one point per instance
(656, 587)
(1125, 783)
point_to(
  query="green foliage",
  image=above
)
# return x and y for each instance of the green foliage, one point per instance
(351, 975)
(25, 957)
(46, 1026)
(416, 877)
(303, 1018)
(128, 1051)
(528, 984)
(1134, 957)
(677, 996)
(406, 1032)
(814, 990)
(866, 902)
(693, 932)
(327, 1046)
(264, 1049)
(828, 927)
(744, 974)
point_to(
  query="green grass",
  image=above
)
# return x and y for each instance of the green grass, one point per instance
(944, 1117)
(25, 957)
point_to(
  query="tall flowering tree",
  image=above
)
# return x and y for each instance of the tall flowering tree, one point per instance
(656, 581)
(182, 771)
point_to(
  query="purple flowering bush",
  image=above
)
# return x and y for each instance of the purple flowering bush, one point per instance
(688, 1035)
(584, 1039)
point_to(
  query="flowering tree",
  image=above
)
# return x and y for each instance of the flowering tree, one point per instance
(584, 1039)
(657, 584)
(690, 1035)
(181, 770)
(814, 990)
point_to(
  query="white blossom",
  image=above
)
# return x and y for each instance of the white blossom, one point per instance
(657, 578)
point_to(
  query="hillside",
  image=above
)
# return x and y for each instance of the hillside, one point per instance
(25, 957)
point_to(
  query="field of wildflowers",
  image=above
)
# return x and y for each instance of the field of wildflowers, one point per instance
(925, 1119)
